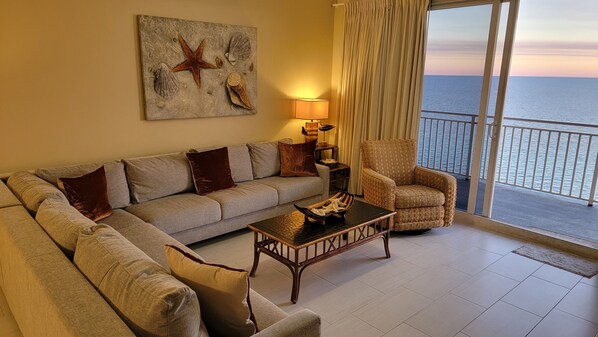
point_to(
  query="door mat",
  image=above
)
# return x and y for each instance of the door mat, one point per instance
(566, 261)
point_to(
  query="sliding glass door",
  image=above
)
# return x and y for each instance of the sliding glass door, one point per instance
(467, 64)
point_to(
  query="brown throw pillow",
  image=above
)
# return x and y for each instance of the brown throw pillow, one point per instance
(298, 160)
(88, 194)
(223, 293)
(211, 170)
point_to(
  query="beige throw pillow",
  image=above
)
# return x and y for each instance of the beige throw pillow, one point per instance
(223, 293)
(63, 223)
(149, 300)
(265, 158)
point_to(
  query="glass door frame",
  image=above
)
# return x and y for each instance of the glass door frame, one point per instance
(496, 127)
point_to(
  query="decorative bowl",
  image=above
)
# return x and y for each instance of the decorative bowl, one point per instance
(335, 206)
(328, 162)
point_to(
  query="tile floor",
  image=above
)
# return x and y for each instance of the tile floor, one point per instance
(459, 281)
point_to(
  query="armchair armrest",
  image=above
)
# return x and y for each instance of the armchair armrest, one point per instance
(378, 190)
(303, 323)
(324, 173)
(443, 182)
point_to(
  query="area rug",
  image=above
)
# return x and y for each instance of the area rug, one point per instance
(566, 261)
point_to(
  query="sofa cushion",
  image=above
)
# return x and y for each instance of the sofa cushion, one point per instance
(121, 219)
(32, 190)
(156, 177)
(265, 158)
(246, 197)
(223, 292)
(298, 160)
(178, 212)
(151, 241)
(88, 194)
(116, 181)
(210, 170)
(63, 223)
(294, 188)
(149, 300)
(413, 196)
(240, 163)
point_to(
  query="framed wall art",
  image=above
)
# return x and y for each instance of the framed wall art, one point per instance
(194, 69)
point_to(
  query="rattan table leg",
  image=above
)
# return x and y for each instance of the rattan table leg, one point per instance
(256, 255)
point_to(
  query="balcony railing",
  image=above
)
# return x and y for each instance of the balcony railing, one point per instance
(548, 156)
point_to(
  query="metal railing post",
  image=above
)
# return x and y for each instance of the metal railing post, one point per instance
(594, 183)
(533, 157)
(469, 146)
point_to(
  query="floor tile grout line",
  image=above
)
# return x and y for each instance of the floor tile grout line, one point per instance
(535, 270)
(572, 314)
(542, 317)
(560, 285)
(368, 324)
(500, 300)
(414, 328)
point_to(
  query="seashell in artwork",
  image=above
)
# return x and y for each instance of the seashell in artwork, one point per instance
(235, 85)
(239, 48)
(165, 82)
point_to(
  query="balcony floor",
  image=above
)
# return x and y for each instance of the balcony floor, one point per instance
(537, 210)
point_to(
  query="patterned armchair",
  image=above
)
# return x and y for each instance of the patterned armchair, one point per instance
(423, 198)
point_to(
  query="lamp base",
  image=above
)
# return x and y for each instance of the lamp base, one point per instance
(312, 131)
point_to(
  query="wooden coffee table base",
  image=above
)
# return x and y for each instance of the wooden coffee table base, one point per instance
(297, 258)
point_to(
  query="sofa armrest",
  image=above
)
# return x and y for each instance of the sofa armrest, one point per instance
(443, 182)
(304, 323)
(324, 173)
(378, 190)
(7, 198)
(32, 190)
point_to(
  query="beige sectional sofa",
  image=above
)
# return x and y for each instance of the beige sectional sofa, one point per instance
(154, 204)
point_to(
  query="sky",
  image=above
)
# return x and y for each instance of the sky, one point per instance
(557, 38)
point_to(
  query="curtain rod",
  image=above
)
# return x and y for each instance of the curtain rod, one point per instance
(338, 4)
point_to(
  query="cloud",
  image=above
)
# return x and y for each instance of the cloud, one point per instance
(561, 48)
(457, 47)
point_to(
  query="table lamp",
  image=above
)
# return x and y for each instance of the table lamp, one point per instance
(311, 109)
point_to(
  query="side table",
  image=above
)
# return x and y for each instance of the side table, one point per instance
(339, 172)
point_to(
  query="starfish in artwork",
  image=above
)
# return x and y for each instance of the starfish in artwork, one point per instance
(193, 60)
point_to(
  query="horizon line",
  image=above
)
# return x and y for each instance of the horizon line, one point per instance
(542, 76)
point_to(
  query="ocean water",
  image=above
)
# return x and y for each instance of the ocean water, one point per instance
(549, 157)
(564, 99)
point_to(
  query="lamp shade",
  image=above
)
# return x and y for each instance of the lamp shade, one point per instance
(311, 109)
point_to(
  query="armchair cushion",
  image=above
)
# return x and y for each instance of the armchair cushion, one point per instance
(395, 158)
(415, 196)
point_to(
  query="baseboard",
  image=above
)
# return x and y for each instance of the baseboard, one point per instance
(572, 245)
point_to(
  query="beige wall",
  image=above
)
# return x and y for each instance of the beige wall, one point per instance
(70, 85)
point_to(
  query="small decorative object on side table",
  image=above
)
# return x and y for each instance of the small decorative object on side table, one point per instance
(339, 172)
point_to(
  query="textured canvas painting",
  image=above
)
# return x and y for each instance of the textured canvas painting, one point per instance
(197, 69)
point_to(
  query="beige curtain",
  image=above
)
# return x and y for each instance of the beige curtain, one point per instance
(382, 75)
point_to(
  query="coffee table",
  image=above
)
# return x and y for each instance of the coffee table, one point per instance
(297, 243)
